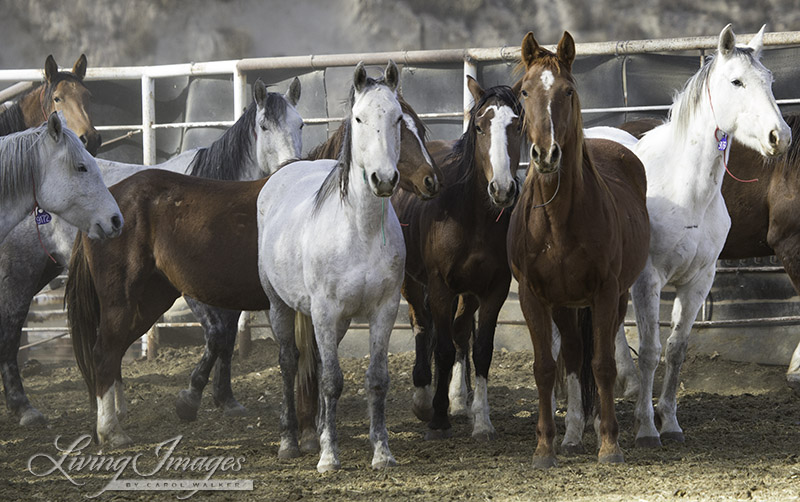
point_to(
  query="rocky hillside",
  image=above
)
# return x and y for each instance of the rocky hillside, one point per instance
(138, 32)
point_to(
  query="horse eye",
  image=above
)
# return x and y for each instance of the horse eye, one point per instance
(81, 168)
(302, 126)
(479, 129)
(263, 128)
(399, 119)
(358, 120)
(57, 99)
(570, 92)
(524, 93)
(737, 83)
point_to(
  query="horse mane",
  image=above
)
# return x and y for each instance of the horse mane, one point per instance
(462, 157)
(226, 156)
(12, 120)
(21, 161)
(340, 174)
(688, 100)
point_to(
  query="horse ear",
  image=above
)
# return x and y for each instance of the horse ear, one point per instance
(757, 43)
(566, 50)
(50, 68)
(529, 48)
(293, 94)
(259, 92)
(727, 40)
(360, 77)
(475, 88)
(54, 127)
(79, 69)
(392, 75)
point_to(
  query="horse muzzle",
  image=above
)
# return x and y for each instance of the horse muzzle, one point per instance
(546, 160)
(503, 198)
(778, 141)
(383, 187)
(107, 229)
(92, 141)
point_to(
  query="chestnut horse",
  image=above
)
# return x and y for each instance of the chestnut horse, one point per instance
(62, 92)
(578, 237)
(456, 248)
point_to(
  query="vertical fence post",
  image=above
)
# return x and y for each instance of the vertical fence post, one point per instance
(239, 93)
(470, 69)
(148, 119)
(153, 341)
(244, 333)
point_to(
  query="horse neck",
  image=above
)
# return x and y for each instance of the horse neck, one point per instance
(558, 192)
(32, 107)
(367, 211)
(687, 163)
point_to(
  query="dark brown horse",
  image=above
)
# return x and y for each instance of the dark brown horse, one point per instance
(456, 248)
(178, 227)
(578, 238)
(61, 91)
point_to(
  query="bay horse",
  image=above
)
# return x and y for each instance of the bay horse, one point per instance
(418, 175)
(578, 237)
(729, 98)
(61, 91)
(46, 168)
(330, 246)
(267, 134)
(456, 248)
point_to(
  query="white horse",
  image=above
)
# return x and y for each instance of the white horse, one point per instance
(330, 246)
(49, 168)
(730, 97)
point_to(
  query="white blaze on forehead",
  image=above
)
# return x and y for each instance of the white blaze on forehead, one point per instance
(409, 122)
(547, 79)
(498, 150)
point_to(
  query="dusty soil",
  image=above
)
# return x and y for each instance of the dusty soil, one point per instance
(741, 421)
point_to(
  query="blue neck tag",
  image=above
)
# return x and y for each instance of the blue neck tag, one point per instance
(41, 216)
(723, 143)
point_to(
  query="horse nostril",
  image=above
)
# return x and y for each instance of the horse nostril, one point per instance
(556, 154)
(374, 178)
(534, 152)
(395, 178)
(428, 181)
(493, 187)
(116, 222)
(84, 140)
(774, 139)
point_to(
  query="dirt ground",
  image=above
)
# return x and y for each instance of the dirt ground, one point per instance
(742, 425)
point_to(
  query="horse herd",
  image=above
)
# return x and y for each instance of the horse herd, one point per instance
(378, 212)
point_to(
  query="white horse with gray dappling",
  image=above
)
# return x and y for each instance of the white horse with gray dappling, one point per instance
(330, 246)
(266, 135)
(685, 158)
(48, 168)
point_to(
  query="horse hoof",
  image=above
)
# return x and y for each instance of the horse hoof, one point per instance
(459, 410)
(571, 449)
(648, 442)
(484, 436)
(613, 458)
(423, 413)
(793, 381)
(384, 463)
(186, 406)
(32, 418)
(328, 467)
(287, 453)
(676, 436)
(310, 445)
(437, 434)
(544, 462)
(234, 409)
(116, 441)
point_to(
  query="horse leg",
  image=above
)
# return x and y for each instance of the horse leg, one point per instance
(482, 352)
(107, 363)
(539, 321)
(307, 385)
(281, 318)
(605, 320)
(627, 374)
(787, 250)
(327, 331)
(441, 303)
(377, 382)
(793, 373)
(463, 327)
(18, 285)
(572, 353)
(420, 318)
(223, 342)
(689, 299)
(646, 294)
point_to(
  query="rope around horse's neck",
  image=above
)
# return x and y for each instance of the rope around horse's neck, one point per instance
(723, 142)
(554, 193)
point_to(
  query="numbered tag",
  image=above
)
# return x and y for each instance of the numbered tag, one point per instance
(723, 143)
(42, 217)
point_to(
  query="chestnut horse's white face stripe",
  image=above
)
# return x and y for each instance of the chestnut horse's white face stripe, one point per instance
(498, 150)
(411, 126)
(547, 80)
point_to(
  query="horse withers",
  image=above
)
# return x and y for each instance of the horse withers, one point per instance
(577, 240)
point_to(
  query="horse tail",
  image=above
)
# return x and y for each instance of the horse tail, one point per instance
(588, 385)
(307, 363)
(83, 314)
